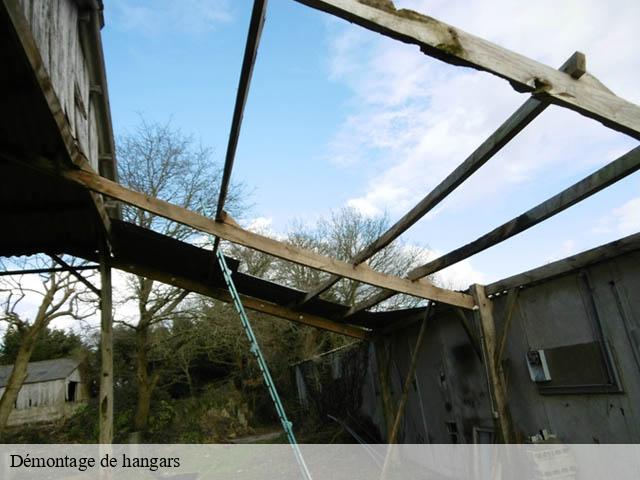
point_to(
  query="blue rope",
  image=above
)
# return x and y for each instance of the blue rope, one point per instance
(264, 369)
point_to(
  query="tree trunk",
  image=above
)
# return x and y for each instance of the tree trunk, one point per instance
(143, 406)
(145, 382)
(17, 377)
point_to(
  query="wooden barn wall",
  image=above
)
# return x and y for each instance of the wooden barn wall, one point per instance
(55, 28)
(46, 401)
(449, 401)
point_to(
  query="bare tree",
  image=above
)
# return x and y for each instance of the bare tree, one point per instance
(56, 294)
(162, 162)
(341, 235)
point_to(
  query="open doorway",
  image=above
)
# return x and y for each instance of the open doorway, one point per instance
(72, 390)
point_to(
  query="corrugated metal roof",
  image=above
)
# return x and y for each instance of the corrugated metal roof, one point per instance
(44, 371)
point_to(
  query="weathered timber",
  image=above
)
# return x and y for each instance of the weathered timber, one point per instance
(250, 52)
(512, 299)
(73, 271)
(38, 271)
(457, 47)
(490, 147)
(567, 265)
(231, 232)
(105, 406)
(602, 178)
(495, 374)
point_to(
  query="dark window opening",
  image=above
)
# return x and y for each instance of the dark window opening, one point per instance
(72, 390)
(452, 429)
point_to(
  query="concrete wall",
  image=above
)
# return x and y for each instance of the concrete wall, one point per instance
(449, 399)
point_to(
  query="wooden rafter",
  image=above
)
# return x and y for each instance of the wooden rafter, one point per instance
(229, 230)
(490, 147)
(251, 50)
(602, 178)
(567, 265)
(457, 47)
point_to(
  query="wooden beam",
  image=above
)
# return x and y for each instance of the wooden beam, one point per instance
(46, 270)
(228, 230)
(457, 47)
(105, 406)
(567, 265)
(512, 300)
(495, 374)
(393, 436)
(382, 349)
(73, 271)
(522, 117)
(250, 52)
(250, 303)
(602, 178)
(509, 129)
(404, 397)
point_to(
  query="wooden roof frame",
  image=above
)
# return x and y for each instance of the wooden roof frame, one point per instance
(570, 87)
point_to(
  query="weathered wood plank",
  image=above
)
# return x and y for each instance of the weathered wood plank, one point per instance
(602, 178)
(457, 47)
(522, 117)
(567, 265)
(250, 52)
(229, 231)
(509, 129)
(106, 350)
(488, 341)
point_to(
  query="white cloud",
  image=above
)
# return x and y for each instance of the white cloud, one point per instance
(412, 119)
(623, 220)
(160, 17)
(455, 277)
(628, 217)
(260, 224)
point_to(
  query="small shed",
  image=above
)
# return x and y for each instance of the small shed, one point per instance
(52, 389)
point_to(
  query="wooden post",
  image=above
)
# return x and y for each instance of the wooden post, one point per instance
(488, 341)
(393, 434)
(383, 359)
(106, 349)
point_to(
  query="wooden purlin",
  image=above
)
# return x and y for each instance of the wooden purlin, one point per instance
(229, 230)
(523, 116)
(597, 181)
(457, 47)
(567, 265)
(251, 50)
(233, 233)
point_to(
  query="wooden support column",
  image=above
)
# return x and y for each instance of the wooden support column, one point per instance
(488, 341)
(106, 349)
(383, 359)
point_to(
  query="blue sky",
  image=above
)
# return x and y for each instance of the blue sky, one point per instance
(340, 116)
